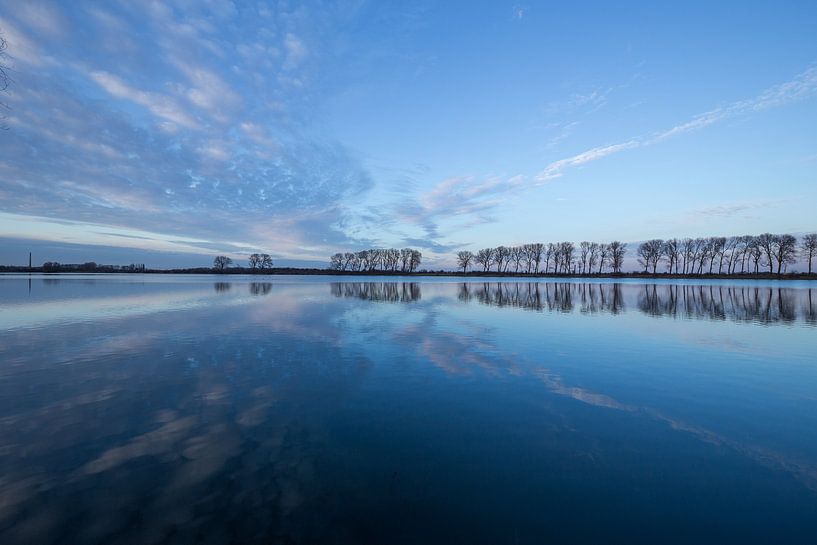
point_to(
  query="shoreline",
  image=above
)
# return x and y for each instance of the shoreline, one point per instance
(286, 271)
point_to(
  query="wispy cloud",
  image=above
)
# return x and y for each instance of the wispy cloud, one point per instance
(557, 168)
(160, 105)
(727, 210)
(802, 86)
(474, 197)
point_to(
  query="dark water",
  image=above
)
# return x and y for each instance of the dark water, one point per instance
(148, 409)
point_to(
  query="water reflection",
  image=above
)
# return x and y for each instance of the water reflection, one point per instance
(390, 292)
(260, 288)
(765, 305)
(221, 287)
(551, 296)
(191, 413)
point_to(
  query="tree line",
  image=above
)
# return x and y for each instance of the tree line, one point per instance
(688, 256)
(539, 258)
(723, 255)
(377, 259)
(256, 262)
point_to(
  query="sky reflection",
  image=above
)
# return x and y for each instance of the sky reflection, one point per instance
(292, 411)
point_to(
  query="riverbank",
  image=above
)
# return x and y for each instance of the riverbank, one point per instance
(441, 273)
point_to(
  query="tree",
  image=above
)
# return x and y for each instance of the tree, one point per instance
(566, 251)
(517, 256)
(405, 259)
(501, 256)
(784, 251)
(755, 253)
(254, 260)
(809, 248)
(464, 259)
(336, 262)
(649, 254)
(485, 257)
(414, 260)
(687, 251)
(766, 243)
(617, 252)
(604, 256)
(718, 248)
(536, 250)
(584, 254)
(266, 262)
(671, 251)
(348, 260)
(221, 262)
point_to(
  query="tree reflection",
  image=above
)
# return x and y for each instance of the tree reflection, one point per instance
(221, 287)
(551, 296)
(260, 288)
(765, 305)
(390, 292)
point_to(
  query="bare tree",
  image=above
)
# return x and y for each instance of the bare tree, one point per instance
(604, 256)
(414, 260)
(405, 258)
(254, 260)
(766, 242)
(784, 251)
(617, 252)
(464, 259)
(536, 250)
(718, 245)
(649, 254)
(517, 256)
(266, 262)
(809, 248)
(593, 256)
(731, 251)
(671, 251)
(348, 261)
(551, 251)
(221, 262)
(584, 254)
(336, 262)
(501, 255)
(565, 252)
(485, 257)
(755, 253)
(687, 251)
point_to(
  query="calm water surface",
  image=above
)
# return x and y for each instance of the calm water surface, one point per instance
(151, 409)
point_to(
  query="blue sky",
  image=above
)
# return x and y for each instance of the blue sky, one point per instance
(167, 132)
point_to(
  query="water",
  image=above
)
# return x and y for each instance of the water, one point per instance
(176, 409)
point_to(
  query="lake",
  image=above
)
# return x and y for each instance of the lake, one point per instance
(227, 409)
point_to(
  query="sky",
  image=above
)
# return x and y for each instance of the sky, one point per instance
(168, 132)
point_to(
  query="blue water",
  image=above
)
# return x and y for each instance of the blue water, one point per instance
(196, 409)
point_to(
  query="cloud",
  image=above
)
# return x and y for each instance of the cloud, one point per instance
(296, 51)
(181, 138)
(461, 197)
(47, 20)
(159, 105)
(802, 86)
(456, 197)
(732, 209)
(557, 168)
(20, 47)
